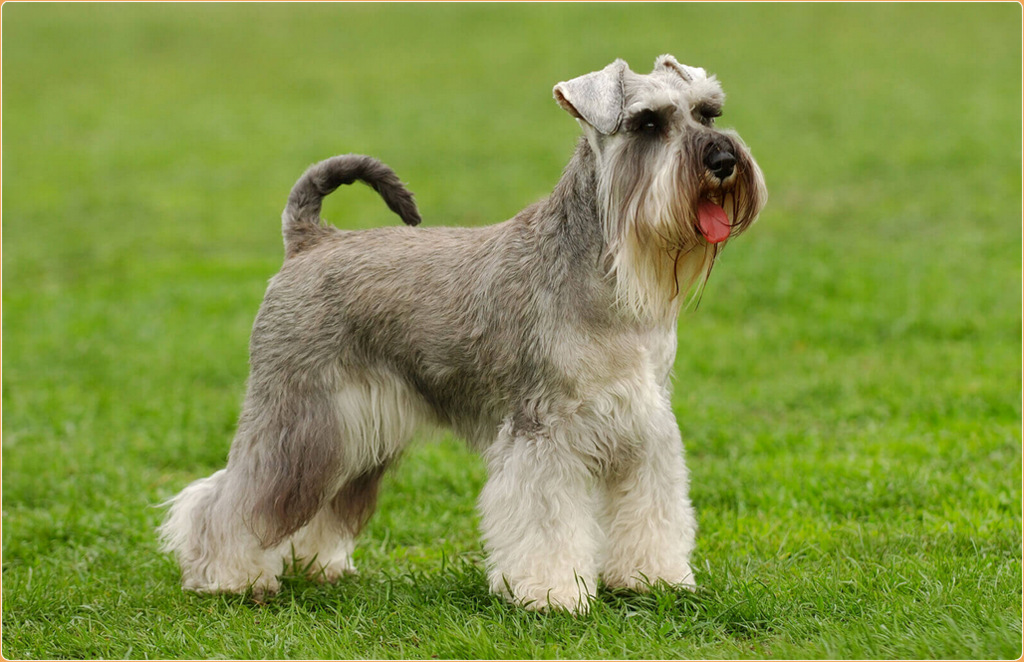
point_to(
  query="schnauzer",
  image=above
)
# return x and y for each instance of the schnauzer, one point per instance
(546, 341)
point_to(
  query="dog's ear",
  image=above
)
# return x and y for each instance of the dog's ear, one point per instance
(689, 74)
(596, 98)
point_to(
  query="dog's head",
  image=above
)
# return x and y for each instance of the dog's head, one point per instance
(670, 184)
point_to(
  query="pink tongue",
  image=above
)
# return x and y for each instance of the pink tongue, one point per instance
(714, 224)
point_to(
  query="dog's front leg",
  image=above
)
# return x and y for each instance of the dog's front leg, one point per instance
(539, 522)
(647, 516)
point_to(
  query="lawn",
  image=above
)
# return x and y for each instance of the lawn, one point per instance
(849, 389)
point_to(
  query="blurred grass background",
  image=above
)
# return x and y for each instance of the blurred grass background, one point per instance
(849, 390)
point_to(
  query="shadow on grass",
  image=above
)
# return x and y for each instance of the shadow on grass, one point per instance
(459, 586)
(448, 612)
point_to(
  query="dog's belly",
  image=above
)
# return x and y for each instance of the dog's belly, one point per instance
(378, 412)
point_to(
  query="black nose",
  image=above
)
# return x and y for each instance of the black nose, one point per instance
(720, 163)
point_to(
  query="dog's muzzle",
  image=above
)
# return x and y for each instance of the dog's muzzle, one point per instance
(719, 157)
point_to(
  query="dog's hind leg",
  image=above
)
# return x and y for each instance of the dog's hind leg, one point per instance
(215, 547)
(325, 545)
(377, 413)
(230, 531)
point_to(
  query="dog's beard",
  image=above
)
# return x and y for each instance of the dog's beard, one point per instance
(652, 197)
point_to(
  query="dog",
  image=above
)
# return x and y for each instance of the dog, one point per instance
(545, 341)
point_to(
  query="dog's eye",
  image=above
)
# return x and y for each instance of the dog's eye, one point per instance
(647, 122)
(706, 114)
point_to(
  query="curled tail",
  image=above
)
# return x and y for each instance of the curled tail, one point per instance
(300, 221)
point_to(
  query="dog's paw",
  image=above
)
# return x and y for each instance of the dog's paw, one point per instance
(577, 604)
(258, 590)
(536, 596)
(333, 571)
(641, 582)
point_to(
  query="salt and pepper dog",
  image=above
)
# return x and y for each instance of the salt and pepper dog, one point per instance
(545, 341)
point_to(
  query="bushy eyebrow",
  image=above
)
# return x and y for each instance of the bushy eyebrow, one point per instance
(708, 107)
(658, 109)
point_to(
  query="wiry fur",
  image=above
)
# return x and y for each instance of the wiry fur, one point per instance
(546, 341)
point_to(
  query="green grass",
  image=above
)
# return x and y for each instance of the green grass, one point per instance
(849, 390)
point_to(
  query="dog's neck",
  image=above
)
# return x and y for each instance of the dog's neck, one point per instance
(573, 203)
(649, 289)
